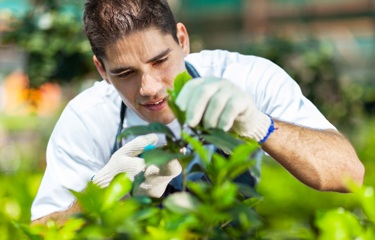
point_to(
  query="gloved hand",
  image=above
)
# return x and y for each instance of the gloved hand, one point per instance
(125, 160)
(158, 178)
(223, 105)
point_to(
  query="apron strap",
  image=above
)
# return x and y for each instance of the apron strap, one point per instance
(118, 144)
(191, 70)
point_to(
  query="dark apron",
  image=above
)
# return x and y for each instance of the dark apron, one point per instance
(175, 184)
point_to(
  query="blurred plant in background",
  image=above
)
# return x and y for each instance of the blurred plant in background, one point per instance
(51, 34)
(22, 163)
(16, 195)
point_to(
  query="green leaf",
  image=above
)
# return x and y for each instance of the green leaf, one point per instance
(197, 168)
(182, 203)
(226, 192)
(146, 214)
(151, 128)
(250, 142)
(200, 189)
(245, 216)
(180, 115)
(338, 222)
(242, 153)
(68, 231)
(185, 160)
(119, 187)
(91, 199)
(32, 232)
(219, 162)
(95, 232)
(247, 191)
(139, 178)
(159, 157)
(219, 170)
(210, 215)
(366, 196)
(240, 168)
(122, 212)
(197, 146)
(223, 140)
(141, 200)
(179, 82)
(240, 160)
(251, 202)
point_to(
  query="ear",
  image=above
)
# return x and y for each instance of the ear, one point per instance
(100, 69)
(183, 38)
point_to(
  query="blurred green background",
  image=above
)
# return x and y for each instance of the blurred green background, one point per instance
(326, 46)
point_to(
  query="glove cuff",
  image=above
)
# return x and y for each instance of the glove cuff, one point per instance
(262, 123)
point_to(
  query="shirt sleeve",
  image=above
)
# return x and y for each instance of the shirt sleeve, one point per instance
(278, 95)
(74, 155)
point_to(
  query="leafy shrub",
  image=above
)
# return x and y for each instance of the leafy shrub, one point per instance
(214, 209)
(339, 224)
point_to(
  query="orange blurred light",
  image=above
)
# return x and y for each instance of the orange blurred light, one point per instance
(22, 100)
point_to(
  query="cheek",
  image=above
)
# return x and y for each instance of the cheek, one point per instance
(170, 73)
(168, 78)
(127, 90)
(128, 96)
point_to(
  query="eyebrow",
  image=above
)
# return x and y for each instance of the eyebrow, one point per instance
(160, 55)
(119, 70)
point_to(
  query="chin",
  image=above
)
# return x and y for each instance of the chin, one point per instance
(163, 118)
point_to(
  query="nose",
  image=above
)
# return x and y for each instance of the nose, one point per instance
(150, 85)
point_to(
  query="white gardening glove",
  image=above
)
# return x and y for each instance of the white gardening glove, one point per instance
(158, 178)
(223, 105)
(125, 160)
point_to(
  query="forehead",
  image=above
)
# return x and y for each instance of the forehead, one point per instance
(138, 46)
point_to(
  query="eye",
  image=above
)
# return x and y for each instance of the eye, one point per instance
(160, 61)
(125, 74)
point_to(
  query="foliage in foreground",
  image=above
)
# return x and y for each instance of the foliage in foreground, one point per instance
(340, 224)
(214, 209)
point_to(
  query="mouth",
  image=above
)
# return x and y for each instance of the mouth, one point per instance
(155, 105)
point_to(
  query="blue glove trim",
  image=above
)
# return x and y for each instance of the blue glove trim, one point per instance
(270, 130)
(92, 177)
(148, 147)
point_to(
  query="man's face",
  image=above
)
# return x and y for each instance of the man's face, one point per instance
(142, 66)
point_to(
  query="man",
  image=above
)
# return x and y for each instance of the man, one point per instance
(139, 50)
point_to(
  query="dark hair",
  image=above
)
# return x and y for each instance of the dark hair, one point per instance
(106, 21)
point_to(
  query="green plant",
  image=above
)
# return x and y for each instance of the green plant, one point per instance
(339, 224)
(214, 209)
